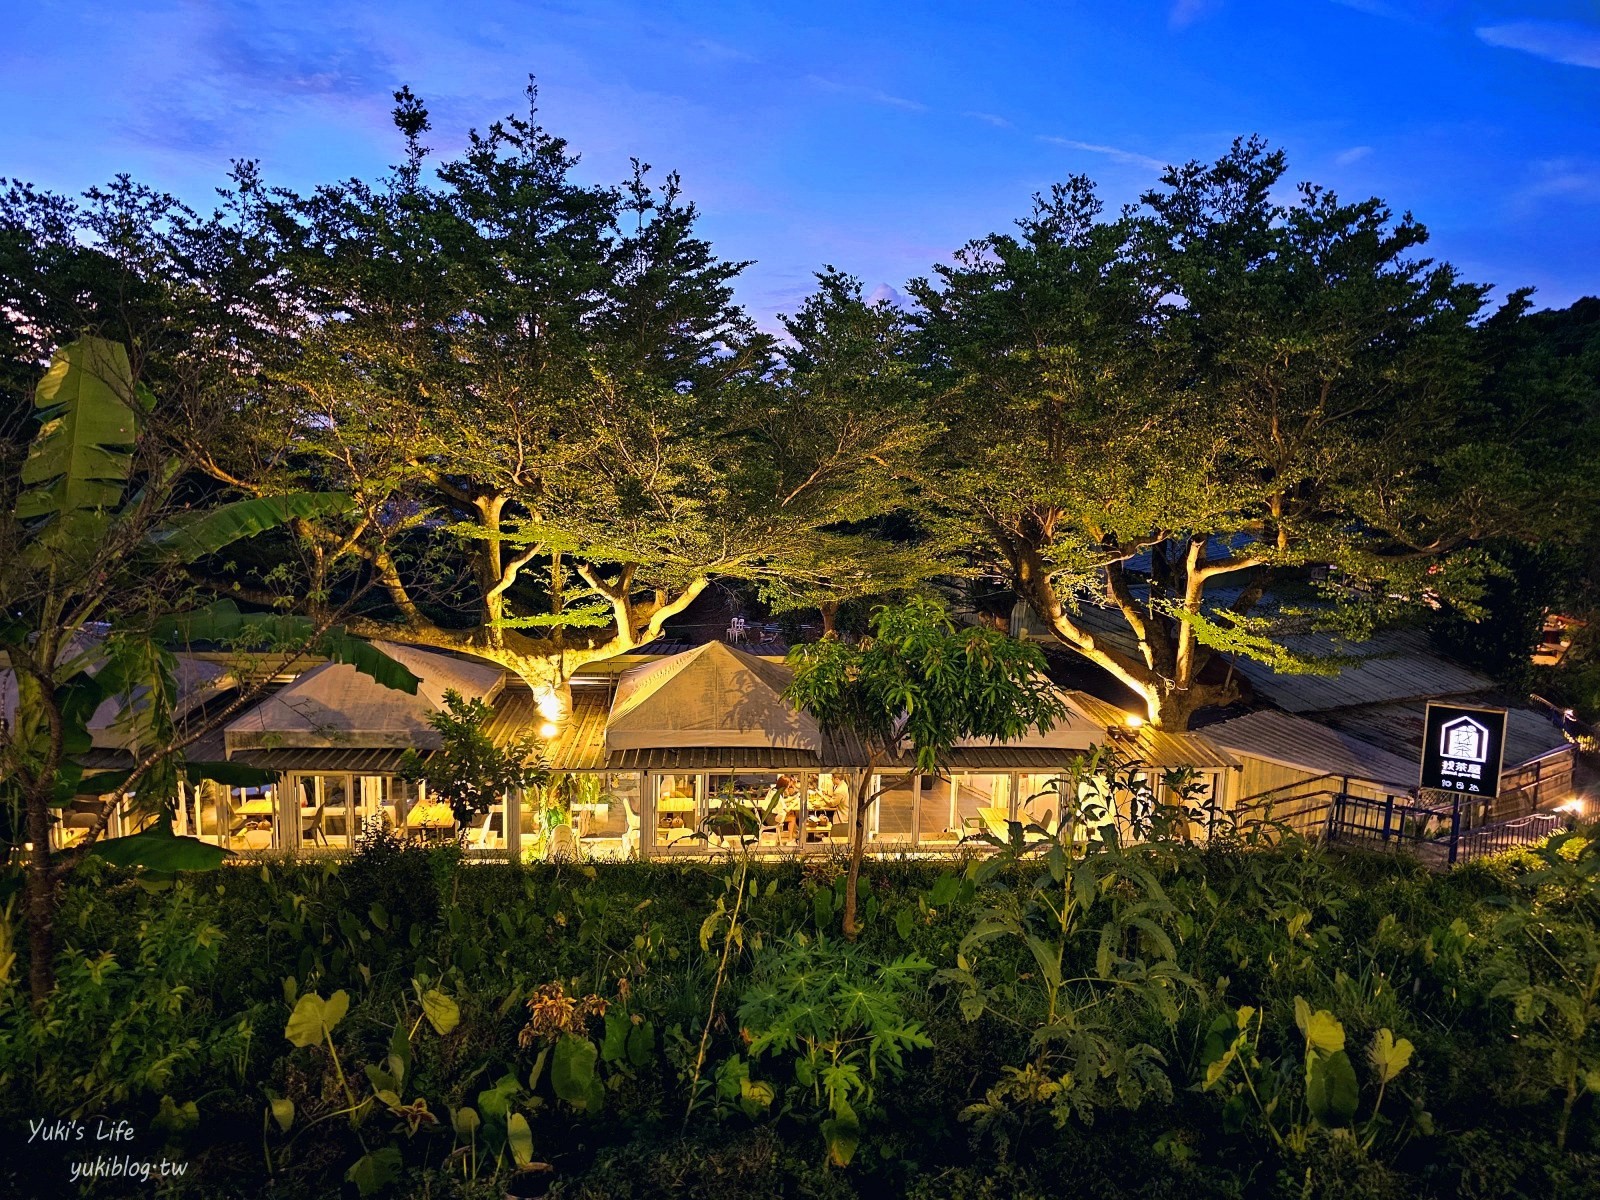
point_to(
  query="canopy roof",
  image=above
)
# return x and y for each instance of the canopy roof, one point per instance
(1075, 731)
(1293, 741)
(336, 705)
(712, 695)
(195, 682)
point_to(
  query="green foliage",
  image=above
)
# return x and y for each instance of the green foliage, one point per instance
(836, 1018)
(81, 458)
(918, 681)
(469, 770)
(1399, 976)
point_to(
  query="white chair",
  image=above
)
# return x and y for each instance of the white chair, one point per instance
(563, 843)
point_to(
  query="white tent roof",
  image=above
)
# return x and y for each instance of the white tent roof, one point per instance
(712, 695)
(196, 681)
(336, 705)
(1075, 731)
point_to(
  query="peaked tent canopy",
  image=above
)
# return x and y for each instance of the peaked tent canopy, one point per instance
(1075, 731)
(196, 682)
(712, 695)
(334, 705)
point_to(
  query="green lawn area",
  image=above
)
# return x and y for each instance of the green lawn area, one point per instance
(1161, 1021)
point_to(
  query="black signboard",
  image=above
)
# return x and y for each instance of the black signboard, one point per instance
(1462, 749)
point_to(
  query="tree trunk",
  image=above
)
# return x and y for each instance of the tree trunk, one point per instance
(858, 849)
(40, 899)
(1178, 705)
(830, 617)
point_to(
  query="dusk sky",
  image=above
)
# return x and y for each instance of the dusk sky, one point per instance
(874, 137)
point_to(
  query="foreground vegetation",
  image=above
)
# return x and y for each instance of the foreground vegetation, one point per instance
(1159, 1021)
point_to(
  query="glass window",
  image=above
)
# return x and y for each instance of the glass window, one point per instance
(247, 814)
(892, 814)
(1039, 799)
(982, 803)
(677, 808)
(936, 819)
(429, 818)
(827, 809)
(758, 808)
(605, 813)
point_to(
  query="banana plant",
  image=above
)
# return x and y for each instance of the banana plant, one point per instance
(93, 546)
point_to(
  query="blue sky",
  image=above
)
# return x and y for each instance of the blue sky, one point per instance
(872, 136)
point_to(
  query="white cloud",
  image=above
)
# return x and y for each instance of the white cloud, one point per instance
(1114, 153)
(989, 119)
(1353, 155)
(1558, 41)
(887, 293)
(1562, 179)
(866, 93)
(1185, 13)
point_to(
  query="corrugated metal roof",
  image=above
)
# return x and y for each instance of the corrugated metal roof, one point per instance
(1306, 745)
(1398, 728)
(1150, 746)
(581, 744)
(323, 760)
(716, 758)
(1394, 665)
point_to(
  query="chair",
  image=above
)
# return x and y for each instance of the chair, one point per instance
(484, 831)
(312, 825)
(630, 837)
(563, 844)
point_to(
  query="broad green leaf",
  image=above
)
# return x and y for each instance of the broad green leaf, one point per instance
(572, 1069)
(536, 1073)
(159, 849)
(641, 1043)
(615, 1043)
(80, 460)
(1044, 957)
(224, 623)
(1322, 1030)
(176, 1118)
(1331, 1092)
(465, 1121)
(400, 1052)
(443, 1013)
(755, 1097)
(520, 1138)
(314, 1018)
(381, 1080)
(376, 1170)
(944, 890)
(1390, 1056)
(842, 1133)
(220, 527)
(282, 1112)
(369, 660)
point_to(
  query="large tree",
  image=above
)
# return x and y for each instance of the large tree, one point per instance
(1157, 421)
(558, 425)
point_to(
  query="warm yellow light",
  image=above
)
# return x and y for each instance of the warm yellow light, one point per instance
(549, 705)
(1134, 721)
(1572, 805)
(549, 729)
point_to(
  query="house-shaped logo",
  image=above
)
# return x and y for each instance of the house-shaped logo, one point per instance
(1465, 740)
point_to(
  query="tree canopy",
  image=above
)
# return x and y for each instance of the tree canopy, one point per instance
(1157, 423)
(1178, 432)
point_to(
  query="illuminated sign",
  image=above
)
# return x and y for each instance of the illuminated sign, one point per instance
(1462, 749)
